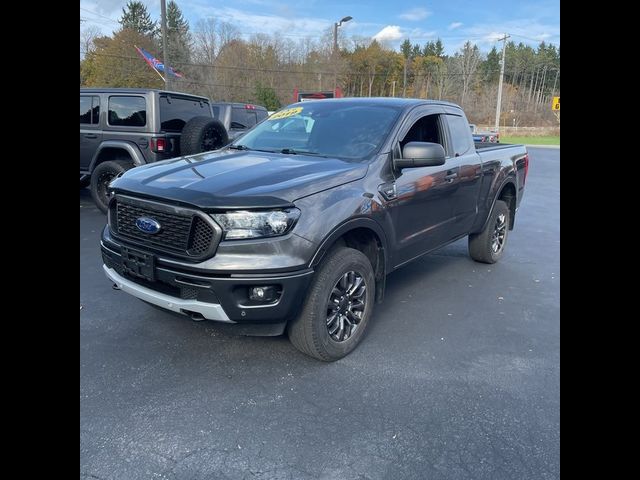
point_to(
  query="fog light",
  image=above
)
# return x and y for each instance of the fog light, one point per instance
(262, 294)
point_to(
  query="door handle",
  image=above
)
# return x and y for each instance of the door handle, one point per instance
(90, 135)
(451, 174)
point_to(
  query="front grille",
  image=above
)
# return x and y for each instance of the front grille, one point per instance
(189, 293)
(183, 232)
(201, 238)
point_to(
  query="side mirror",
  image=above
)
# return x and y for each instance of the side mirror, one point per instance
(420, 154)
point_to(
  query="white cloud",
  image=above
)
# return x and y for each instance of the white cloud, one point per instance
(493, 36)
(415, 14)
(418, 33)
(455, 25)
(249, 22)
(388, 34)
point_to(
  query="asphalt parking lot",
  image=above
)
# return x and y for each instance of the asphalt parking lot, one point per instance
(457, 378)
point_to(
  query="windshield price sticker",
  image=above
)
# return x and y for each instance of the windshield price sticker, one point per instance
(289, 112)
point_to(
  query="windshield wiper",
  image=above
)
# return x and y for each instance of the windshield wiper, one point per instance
(238, 147)
(291, 151)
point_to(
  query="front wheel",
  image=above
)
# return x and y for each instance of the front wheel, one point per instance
(338, 306)
(488, 245)
(100, 179)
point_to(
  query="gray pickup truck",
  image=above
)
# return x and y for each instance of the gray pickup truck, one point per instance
(296, 225)
(238, 118)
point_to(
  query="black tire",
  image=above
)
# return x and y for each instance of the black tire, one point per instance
(201, 134)
(309, 332)
(85, 180)
(488, 246)
(100, 178)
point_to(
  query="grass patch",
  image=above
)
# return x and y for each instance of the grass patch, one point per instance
(546, 140)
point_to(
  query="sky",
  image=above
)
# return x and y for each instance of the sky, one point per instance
(390, 22)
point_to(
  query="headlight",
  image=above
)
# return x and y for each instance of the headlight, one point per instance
(243, 224)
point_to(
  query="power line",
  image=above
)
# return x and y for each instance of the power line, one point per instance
(535, 39)
(289, 72)
(99, 15)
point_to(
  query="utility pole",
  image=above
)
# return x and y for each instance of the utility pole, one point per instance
(504, 47)
(165, 60)
(404, 79)
(336, 53)
(393, 88)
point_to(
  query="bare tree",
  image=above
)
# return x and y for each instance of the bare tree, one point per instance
(205, 38)
(467, 61)
(87, 36)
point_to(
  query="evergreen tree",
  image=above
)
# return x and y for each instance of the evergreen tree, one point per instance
(405, 48)
(136, 17)
(491, 66)
(438, 49)
(267, 97)
(429, 49)
(179, 41)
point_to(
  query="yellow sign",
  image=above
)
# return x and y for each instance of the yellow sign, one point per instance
(289, 112)
(556, 104)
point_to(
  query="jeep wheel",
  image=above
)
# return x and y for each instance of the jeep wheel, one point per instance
(338, 306)
(201, 134)
(100, 179)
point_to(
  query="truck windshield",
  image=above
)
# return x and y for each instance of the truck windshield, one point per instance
(349, 130)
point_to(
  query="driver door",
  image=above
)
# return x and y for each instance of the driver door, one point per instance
(422, 211)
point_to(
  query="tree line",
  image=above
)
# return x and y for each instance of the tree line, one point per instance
(265, 69)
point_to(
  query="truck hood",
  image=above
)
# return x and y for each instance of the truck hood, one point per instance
(245, 179)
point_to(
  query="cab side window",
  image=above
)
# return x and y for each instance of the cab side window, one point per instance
(426, 129)
(460, 135)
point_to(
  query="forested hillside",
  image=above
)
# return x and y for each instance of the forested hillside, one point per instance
(218, 61)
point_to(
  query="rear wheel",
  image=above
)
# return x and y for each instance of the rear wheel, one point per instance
(100, 179)
(488, 245)
(338, 307)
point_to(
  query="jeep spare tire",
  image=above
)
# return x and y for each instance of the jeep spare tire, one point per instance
(201, 134)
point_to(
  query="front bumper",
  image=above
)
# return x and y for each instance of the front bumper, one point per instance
(209, 311)
(219, 297)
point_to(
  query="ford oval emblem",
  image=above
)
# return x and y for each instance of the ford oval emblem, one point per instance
(147, 225)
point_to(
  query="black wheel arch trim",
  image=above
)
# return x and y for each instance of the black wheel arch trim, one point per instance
(347, 226)
(510, 179)
(131, 149)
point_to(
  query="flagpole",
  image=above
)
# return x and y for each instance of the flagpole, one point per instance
(149, 63)
(155, 70)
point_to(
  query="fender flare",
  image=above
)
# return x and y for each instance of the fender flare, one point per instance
(510, 179)
(132, 150)
(340, 230)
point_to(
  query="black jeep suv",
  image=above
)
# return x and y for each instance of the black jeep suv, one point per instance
(122, 128)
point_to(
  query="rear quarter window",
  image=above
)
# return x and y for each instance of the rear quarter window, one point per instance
(127, 111)
(89, 110)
